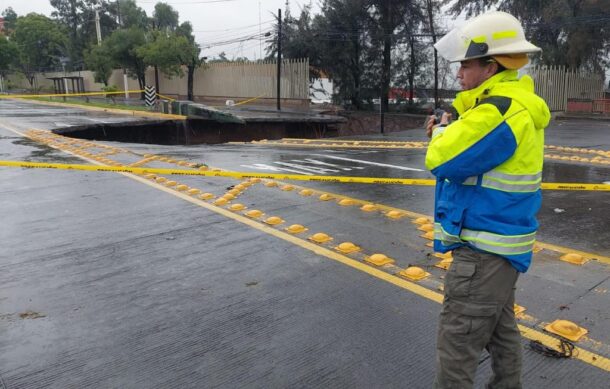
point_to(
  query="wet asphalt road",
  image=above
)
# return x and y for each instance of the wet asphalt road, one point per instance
(106, 281)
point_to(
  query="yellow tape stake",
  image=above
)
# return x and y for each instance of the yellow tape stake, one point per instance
(296, 177)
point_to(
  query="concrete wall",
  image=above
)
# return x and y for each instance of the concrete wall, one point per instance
(224, 80)
(363, 123)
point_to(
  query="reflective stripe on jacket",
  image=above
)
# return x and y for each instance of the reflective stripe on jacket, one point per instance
(488, 165)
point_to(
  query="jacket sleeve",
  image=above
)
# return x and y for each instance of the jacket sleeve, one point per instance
(476, 143)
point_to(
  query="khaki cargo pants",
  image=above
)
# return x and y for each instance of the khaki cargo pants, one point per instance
(478, 313)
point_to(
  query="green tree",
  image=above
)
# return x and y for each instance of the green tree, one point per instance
(8, 55)
(191, 56)
(160, 52)
(10, 18)
(131, 15)
(573, 33)
(165, 17)
(78, 17)
(166, 52)
(41, 43)
(123, 47)
(99, 60)
(67, 12)
(336, 43)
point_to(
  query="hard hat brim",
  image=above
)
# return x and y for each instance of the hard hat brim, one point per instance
(511, 61)
(454, 47)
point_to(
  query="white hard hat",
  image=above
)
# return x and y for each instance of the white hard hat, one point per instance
(490, 34)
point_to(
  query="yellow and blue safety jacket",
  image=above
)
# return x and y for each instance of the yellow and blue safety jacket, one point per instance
(488, 165)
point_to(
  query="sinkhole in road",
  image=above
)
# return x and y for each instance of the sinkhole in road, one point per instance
(195, 131)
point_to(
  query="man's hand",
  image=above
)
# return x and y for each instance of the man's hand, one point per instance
(430, 124)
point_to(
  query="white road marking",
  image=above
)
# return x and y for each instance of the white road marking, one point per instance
(369, 162)
(316, 162)
(313, 169)
(262, 166)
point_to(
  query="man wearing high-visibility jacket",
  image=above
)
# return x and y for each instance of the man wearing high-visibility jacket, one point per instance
(488, 165)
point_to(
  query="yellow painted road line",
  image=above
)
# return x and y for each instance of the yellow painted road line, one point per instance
(275, 176)
(586, 356)
(68, 94)
(111, 110)
(586, 255)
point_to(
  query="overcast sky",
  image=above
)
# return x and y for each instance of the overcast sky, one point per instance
(213, 21)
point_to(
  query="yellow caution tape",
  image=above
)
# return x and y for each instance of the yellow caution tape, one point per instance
(275, 176)
(165, 97)
(249, 100)
(69, 94)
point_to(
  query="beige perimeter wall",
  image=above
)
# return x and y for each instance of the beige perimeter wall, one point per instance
(231, 80)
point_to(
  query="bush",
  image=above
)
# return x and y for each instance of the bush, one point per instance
(111, 89)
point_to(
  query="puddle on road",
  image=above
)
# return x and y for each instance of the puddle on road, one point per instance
(44, 153)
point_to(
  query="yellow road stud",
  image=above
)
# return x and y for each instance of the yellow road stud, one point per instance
(254, 214)
(368, 208)
(182, 187)
(346, 202)
(394, 214)
(414, 273)
(274, 220)
(271, 184)
(447, 255)
(206, 196)
(566, 329)
(203, 168)
(193, 191)
(320, 237)
(518, 309)
(444, 264)
(347, 248)
(575, 259)
(171, 183)
(237, 207)
(428, 235)
(240, 187)
(221, 201)
(306, 192)
(426, 227)
(228, 196)
(296, 229)
(234, 191)
(287, 188)
(326, 197)
(255, 180)
(421, 220)
(379, 259)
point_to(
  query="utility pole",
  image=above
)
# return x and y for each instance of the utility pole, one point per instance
(125, 82)
(97, 27)
(431, 20)
(260, 33)
(279, 56)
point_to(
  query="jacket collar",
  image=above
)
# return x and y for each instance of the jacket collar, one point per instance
(467, 99)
